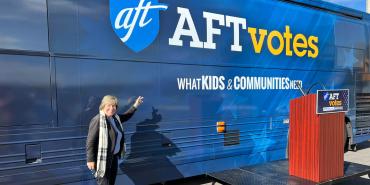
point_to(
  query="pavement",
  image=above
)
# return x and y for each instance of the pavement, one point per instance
(361, 156)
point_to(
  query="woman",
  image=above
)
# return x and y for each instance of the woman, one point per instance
(105, 140)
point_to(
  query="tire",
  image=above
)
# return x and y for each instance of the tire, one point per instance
(345, 138)
(354, 147)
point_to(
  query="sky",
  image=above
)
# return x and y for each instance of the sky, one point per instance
(355, 4)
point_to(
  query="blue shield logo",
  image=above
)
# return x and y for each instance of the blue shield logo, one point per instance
(136, 22)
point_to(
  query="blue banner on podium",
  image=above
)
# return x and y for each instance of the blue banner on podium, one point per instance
(331, 101)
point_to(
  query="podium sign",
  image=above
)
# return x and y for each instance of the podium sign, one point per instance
(332, 101)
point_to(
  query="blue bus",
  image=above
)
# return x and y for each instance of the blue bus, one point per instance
(197, 63)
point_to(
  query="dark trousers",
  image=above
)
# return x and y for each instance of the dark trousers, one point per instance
(110, 171)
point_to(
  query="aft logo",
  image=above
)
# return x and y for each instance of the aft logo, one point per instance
(326, 96)
(331, 96)
(136, 22)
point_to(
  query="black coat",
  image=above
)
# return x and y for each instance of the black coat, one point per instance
(92, 142)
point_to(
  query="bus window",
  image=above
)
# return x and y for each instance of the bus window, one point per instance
(353, 39)
(23, 25)
(25, 96)
(350, 58)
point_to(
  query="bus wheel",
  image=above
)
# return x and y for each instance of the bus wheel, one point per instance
(354, 147)
(345, 138)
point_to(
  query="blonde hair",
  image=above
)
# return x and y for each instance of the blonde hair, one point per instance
(108, 99)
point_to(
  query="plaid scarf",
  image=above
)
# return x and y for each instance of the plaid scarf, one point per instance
(103, 144)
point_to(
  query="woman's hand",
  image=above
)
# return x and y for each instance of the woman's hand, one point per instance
(138, 102)
(91, 165)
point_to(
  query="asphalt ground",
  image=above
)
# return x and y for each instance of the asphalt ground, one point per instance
(361, 156)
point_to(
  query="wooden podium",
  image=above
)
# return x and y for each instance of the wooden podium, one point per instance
(315, 141)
